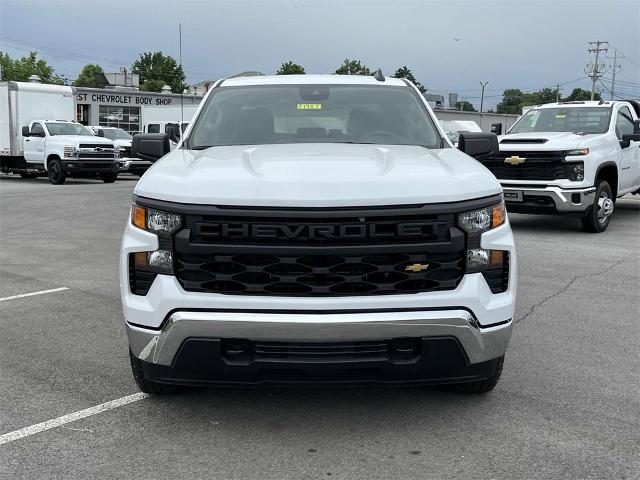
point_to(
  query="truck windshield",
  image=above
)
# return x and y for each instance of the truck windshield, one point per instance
(564, 119)
(258, 115)
(67, 129)
(116, 134)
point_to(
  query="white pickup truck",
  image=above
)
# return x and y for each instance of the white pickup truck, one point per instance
(571, 158)
(317, 229)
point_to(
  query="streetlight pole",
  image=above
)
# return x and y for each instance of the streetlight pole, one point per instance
(482, 94)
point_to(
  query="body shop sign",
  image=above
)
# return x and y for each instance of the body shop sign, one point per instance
(122, 99)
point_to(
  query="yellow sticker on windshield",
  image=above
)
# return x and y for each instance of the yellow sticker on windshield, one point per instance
(561, 115)
(309, 106)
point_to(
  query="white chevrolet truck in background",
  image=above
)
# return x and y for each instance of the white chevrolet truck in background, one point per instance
(38, 136)
(571, 158)
(122, 141)
(317, 229)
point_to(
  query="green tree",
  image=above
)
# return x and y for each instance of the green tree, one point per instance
(405, 72)
(160, 68)
(580, 95)
(152, 85)
(512, 100)
(290, 68)
(549, 95)
(353, 67)
(466, 106)
(87, 76)
(19, 70)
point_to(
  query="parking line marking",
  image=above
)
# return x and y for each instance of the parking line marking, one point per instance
(71, 417)
(41, 292)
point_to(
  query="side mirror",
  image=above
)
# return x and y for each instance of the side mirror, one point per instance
(636, 126)
(150, 146)
(628, 138)
(100, 133)
(478, 144)
(496, 128)
(25, 131)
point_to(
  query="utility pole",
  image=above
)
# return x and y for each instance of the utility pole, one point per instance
(615, 68)
(482, 94)
(595, 70)
(558, 93)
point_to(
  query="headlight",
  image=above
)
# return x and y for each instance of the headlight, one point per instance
(482, 220)
(575, 171)
(163, 224)
(155, 221)
(70, 151)
(577, 151)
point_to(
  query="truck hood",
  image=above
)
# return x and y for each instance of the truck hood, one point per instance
(78, 139)
(317, 175)
(553, 141)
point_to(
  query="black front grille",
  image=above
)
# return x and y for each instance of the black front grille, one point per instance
(320, 253)
(319, 351)
(96, 145)
(537, 166)
(323, 274)
(96, 155)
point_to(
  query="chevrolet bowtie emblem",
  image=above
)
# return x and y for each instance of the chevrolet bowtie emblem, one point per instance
(416, 267)
(514, 160)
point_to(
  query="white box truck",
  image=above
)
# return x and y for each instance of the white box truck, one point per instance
(38, 135)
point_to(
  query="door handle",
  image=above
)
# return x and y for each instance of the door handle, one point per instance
(27, 140)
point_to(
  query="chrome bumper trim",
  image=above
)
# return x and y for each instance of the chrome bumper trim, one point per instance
(160, 347)
(562, 197)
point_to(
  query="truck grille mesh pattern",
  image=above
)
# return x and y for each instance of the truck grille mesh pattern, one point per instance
(323, 274)
(537, 166)
(319, 253)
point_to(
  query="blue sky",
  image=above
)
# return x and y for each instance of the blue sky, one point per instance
(517, 43)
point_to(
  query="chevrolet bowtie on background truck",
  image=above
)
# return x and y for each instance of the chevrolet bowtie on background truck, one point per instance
(38, 136)
(317, 229)
(571, 158)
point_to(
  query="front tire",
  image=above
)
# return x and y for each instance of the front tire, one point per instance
(56, 173)
(149, 386)
(108, 177)
(482, 386)
(598, 216)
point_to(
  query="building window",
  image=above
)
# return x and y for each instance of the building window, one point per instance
(127, 118)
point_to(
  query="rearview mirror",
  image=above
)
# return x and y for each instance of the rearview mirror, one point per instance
(174, 132)
(628, 138)
(478, 144)
(100, 132)
(150, 146)
(636, 126)
(496, 128)
(25, 131)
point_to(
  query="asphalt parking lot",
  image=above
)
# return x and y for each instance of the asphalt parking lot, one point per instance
(566, 407)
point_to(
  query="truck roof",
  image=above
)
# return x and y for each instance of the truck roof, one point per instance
(311, 80)
(579, 104)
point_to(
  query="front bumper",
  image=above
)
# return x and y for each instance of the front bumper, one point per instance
(179, 335)
(133, 165)
(79, 166)
(547, 199)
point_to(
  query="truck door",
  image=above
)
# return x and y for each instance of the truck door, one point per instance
(630, 165)
(34, 144)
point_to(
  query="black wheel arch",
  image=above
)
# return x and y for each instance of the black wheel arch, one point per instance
(609, 171)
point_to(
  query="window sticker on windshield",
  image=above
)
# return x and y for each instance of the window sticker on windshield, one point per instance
(309, 106)
(560, 115)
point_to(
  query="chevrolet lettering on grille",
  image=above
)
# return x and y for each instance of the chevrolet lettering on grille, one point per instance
(313, 231)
